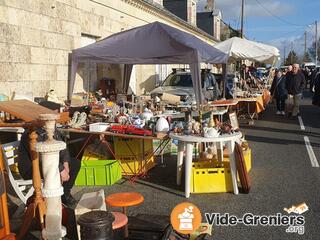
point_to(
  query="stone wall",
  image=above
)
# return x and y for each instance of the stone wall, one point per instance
(37, 36)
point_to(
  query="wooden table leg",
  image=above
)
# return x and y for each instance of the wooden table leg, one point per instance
(38, 205)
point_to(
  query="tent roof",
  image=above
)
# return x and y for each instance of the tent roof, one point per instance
(154, 43)
(241, 49)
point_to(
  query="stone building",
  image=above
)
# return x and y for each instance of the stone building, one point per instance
(37, 36)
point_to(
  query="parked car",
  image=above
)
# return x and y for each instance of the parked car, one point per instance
(179, 83)
(231, 80)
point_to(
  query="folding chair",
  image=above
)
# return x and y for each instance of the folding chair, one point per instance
(23, 188)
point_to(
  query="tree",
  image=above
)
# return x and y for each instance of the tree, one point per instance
(306, 57)
(292, 58)
(312, 50)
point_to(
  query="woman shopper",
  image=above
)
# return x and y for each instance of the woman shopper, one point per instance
(279, 92)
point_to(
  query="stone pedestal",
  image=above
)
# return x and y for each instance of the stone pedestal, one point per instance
(52, 189)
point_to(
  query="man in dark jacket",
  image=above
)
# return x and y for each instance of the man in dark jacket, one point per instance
(313, 78)
(68, 167)
(295, 84)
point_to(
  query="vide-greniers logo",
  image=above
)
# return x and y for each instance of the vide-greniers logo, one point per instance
(186, 218)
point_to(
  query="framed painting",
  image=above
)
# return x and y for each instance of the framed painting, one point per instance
(234, 121)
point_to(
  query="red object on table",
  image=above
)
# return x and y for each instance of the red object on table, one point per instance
(138, 131)
(118, 128)
(130, 129)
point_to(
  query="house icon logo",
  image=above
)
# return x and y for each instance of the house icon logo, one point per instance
(186, 218)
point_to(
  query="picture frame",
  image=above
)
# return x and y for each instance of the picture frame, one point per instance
(234, 121)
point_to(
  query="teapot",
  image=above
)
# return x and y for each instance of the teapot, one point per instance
(210, 132)
(146, 115)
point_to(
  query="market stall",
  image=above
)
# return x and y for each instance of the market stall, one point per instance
(254, 96)
(243, 49)
(154, 43)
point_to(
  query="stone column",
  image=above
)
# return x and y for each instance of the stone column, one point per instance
(52, 188)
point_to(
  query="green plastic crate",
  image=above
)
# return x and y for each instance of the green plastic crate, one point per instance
(98, 173)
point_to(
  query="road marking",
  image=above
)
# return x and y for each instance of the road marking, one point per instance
(312, 156)
(301, 123)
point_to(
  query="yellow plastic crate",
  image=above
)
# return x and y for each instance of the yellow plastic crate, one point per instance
(130, 146)
(132, 166)
(207, 177)
(247, 158)
(135, 155)
(89, 155)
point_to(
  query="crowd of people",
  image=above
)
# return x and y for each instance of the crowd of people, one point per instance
(289, 84)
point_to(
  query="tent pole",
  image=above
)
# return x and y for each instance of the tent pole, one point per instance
(224, 78)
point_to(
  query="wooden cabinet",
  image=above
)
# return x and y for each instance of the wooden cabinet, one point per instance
(108, 87)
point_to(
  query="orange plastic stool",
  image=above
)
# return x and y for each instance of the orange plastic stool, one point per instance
(119, 225)
(124, 200)
(120, 220)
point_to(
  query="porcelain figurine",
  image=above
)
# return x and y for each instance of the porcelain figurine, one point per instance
(188, 128)
(211, 122)
(196, 127)
(146, 115)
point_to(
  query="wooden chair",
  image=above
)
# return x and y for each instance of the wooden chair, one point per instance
(23, 188)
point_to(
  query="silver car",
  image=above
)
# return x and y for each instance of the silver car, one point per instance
(180, 83)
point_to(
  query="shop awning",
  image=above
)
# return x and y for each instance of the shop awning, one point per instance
(154, 43)
(243, 49)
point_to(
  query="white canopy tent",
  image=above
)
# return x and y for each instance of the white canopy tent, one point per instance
(243, 49)
(153, 43)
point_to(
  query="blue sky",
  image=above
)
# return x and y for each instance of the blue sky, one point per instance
(285, 28)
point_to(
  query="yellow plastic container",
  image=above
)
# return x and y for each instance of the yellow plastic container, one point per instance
(208, 177)
(89, 155)
(130, 146)
(135, 155)
(214, 177)
(132, 166)
(247, 158)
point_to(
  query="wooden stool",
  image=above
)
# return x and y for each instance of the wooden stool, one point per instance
(124, 200)
(120, 221)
